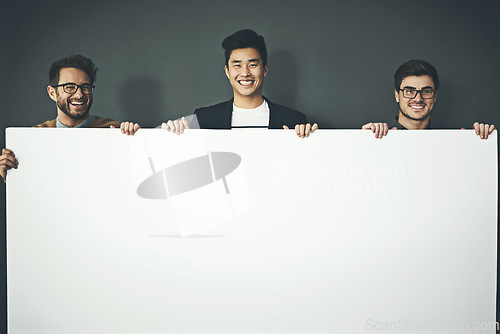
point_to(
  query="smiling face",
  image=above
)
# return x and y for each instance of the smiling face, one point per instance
(415, 110)
(246, 71)
(72, 109)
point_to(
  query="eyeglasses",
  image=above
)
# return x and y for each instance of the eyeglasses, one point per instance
(72, 88)
(411, 93)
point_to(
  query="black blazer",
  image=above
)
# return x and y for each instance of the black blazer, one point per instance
(219, 116)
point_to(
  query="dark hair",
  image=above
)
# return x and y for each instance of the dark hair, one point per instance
(243, 39)
(77, 61)
(416, 68)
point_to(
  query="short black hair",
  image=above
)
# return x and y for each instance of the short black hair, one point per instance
(76, 61)
(243, 39)
(417, 68)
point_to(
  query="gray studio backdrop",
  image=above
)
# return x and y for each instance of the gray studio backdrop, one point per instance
(334, 60)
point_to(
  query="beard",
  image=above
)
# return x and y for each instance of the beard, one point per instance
(64, 106)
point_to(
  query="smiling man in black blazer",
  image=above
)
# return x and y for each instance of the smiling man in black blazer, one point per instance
(246, 67)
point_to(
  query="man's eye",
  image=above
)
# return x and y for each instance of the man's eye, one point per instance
(427, 91)
(236, 65)
(409, 91)
(70, 87)
(253, 65)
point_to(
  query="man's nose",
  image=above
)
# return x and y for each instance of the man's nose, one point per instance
(79, 92)
(419, 97)
(245, 71)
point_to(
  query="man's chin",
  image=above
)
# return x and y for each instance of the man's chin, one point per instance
(417, 118)
(76, 116)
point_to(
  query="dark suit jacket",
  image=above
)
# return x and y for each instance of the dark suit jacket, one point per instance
(219, 116)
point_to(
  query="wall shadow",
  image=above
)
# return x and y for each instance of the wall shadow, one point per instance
(281, 81)
(141, 100)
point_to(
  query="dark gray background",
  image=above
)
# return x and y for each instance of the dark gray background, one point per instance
(333, 60)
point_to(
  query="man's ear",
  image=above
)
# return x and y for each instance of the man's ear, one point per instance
(396, 95)
(52, 92)
(227, 71)
(266, 69)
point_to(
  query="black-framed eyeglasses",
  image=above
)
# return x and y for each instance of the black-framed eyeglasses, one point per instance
(72, 88)
(411, 93)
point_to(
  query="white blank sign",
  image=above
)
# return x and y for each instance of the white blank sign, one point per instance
(337, 233)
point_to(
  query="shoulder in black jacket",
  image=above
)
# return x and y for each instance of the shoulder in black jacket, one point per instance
(219, 116)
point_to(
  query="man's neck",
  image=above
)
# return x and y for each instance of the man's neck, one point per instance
(412, 124)
(68, 121)
(248, 102)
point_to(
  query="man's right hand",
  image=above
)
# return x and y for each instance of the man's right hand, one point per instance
(7, 161)
(176, 126)
(379, 129)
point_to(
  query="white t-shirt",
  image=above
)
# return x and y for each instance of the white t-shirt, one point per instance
(257, 118)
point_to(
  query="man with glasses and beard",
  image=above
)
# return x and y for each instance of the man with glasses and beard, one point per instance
(416, 88)
(71, 86)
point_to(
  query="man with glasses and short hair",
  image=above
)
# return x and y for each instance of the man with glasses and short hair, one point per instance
(71, 86)
(416, 86)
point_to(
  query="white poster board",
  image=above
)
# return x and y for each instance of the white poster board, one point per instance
(337, 233)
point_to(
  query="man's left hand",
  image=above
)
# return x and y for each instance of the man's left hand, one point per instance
(483, 130)
(303, 130)
(128, 128)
